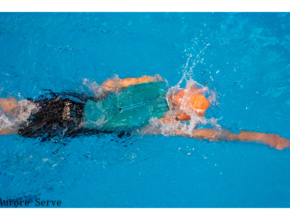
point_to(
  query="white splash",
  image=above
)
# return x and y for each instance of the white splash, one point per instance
(169, 129)
(19, 115)
(94, 87)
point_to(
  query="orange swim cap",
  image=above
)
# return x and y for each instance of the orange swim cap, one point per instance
(197, 101)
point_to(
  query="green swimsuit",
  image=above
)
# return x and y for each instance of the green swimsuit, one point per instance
(130, 109)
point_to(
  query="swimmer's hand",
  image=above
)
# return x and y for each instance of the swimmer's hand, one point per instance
(272, 140)
(282, 143)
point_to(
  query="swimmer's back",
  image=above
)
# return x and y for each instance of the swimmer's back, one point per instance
(131, 108)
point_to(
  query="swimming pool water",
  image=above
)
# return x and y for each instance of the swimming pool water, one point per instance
(243, 57)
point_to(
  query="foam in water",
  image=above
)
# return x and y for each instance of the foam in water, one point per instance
(97, 89)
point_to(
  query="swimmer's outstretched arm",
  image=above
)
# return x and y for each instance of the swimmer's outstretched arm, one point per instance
(113, 84)
(272, 140)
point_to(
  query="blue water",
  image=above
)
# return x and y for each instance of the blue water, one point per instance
(243, 57)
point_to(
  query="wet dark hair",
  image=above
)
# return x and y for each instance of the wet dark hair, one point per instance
(48, 121)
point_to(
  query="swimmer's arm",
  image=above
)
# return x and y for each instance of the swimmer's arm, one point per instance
(113, 84)
(272, 140)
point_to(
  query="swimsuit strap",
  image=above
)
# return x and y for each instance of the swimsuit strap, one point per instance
(139, 104)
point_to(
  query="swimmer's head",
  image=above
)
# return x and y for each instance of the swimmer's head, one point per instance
(191, 100)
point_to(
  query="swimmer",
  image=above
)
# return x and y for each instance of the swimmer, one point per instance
(129, 105)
